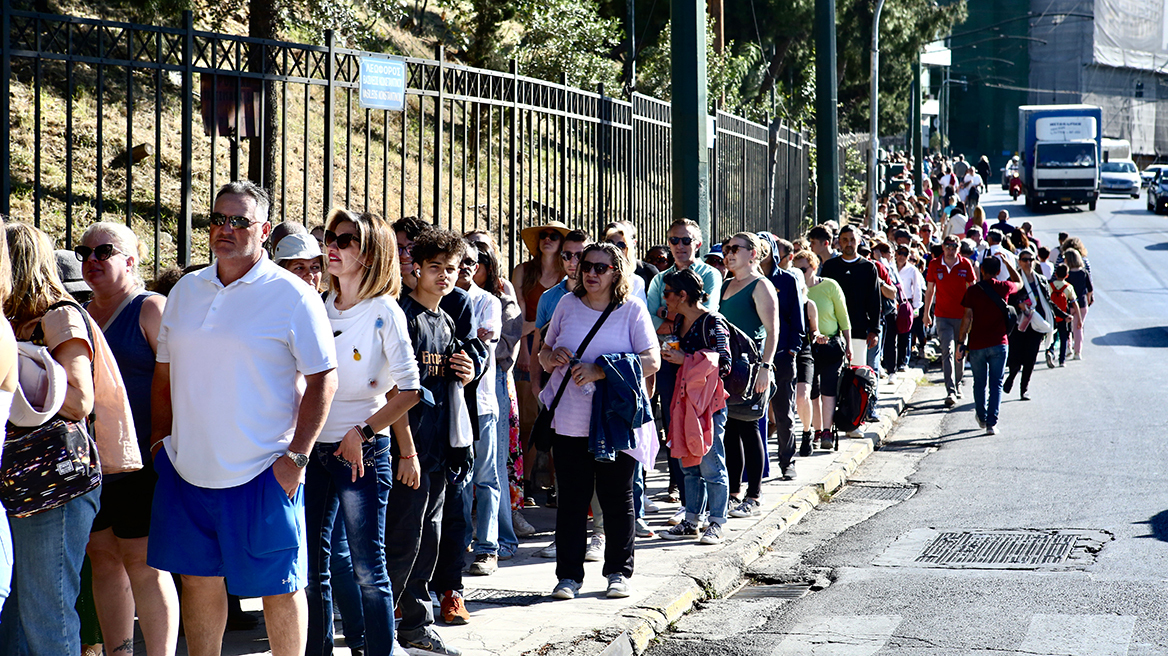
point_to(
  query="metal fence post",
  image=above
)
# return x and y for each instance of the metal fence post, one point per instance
(330, 115)
(440, 55)
(512, 160)
(183, 242)
(5, 108)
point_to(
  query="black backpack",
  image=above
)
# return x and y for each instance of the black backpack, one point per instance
(745, 359)
(856, 398)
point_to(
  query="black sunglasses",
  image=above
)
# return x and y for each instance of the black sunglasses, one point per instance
(103, 252)
(568, 256)
(468, 263)
(804, 269)
(734, 248)
(550, 234)
(237, 222)
(681, 240)
(599, 268)
(668, 292)
(619, 244)
(342, 241)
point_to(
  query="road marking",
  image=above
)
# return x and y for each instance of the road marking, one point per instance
(860, 635)
(1079, 635)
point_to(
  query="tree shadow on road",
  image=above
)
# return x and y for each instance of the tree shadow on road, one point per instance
(1159, 526)
(1150, 337)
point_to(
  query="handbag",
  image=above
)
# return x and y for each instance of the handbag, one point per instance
(831, 350)
(44, 467)
(541, 431)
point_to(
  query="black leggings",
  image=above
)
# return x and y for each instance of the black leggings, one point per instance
(744, 442)
(1024, 346)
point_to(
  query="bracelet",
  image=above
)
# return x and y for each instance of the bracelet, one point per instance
(408, 457)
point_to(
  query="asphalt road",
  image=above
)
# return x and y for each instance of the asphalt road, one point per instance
(1079, 471)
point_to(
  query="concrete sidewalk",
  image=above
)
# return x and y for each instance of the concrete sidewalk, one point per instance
(513, 613)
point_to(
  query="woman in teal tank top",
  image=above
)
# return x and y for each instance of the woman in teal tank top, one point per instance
(749, 303)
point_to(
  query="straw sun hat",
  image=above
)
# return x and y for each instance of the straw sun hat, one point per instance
(530, 235)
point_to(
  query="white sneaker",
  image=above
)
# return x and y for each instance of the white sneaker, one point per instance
(523, 528)
(547, 552)
(642, 529)
(713, 535)
(677, 518)
(748, 508)
(618, 586)
(651, 507)
(595, 551)
(566, 589)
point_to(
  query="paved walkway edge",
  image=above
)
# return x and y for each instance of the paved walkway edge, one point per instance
(716, 575)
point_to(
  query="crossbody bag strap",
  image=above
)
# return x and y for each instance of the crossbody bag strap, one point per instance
(85, 320)
(583, 345)
(989, 291)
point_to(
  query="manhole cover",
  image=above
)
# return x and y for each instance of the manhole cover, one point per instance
(855, 492)
(503, 597)
(968, 548)
(995, 548)
(790, 591)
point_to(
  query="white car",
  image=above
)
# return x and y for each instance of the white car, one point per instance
(1120, 177)
(1149, 172)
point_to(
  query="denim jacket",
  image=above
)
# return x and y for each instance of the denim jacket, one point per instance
(618, 406)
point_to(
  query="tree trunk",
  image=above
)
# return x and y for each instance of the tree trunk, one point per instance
(263, 23)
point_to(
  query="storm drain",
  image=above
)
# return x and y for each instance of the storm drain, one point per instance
(503, 597)
(995, 548)
(970, 548)
(787, 591)
(861, 491)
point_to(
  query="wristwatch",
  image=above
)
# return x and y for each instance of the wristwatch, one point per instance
(298, 459)
(368, 432)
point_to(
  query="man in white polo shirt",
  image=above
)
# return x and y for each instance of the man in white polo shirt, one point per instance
(232, 429)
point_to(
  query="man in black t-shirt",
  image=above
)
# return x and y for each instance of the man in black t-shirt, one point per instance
(860, 282)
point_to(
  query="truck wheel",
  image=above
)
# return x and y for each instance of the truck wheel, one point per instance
(1091, 206)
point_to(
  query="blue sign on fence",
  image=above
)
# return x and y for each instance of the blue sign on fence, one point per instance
(383, 83)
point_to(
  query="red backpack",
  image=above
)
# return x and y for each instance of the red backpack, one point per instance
(1059, 298)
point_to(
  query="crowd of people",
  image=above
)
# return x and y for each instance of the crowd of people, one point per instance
(356, 416)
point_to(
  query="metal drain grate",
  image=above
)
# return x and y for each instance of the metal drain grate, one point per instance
(998, 548)
(788, 591)
(856, 492)
(503, 597)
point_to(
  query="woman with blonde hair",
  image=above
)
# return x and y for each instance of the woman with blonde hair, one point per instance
(8, 382)
(1080, 278)
(350, 469)
(130, 317)
(49, 546)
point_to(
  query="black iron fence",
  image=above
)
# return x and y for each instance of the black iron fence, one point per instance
(101, 120)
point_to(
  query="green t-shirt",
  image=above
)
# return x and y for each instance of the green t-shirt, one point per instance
(831, 307)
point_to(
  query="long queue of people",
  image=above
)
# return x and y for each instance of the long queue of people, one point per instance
(338, 423)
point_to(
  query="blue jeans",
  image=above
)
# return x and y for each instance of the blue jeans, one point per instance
(329, 487)
(988, 365)
(40, 618)
(346, 592)
(709, 480)
(639, 492)
(5, 559)
(875, 354)
(508, 541)
(484, 492)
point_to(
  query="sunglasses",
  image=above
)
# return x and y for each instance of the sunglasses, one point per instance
(568, 256)
(619, 244)
(103, 252)
(1025, 259)
(237, 222)
(342, 241)
(668, 292)
(550, 234)
(950, 244)
(599, 268)
(804, 269)
(468, 263)
(681, 240)
(734, 248)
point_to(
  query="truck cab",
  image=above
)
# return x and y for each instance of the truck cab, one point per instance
(1060, 147)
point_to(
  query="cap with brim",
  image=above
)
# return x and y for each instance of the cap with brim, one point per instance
(530, 235)
(715, 251)
(69, 269)
(297, 247)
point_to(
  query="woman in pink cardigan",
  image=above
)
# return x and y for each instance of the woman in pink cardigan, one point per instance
(698, 411)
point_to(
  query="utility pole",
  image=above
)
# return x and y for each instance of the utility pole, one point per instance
(915, 144)
(691, 157)
(873, 121)
(826, 121)
(631, 73)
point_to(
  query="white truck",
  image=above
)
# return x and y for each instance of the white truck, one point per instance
(1061, 151)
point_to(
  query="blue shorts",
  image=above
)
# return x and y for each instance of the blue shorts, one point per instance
(253, 535)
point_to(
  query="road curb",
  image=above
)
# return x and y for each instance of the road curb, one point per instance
(716, 575)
